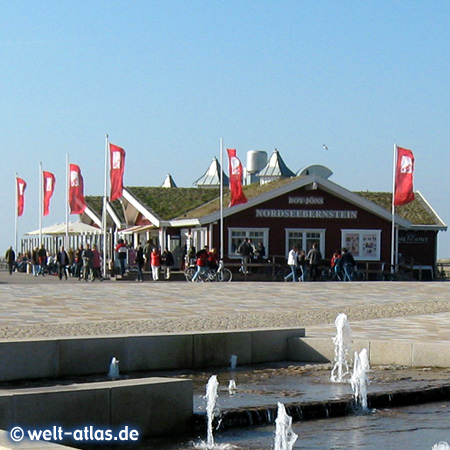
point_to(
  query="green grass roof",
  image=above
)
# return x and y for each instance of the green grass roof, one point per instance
(190, 203)
(168, 203)
(250, 191)
(417, 212)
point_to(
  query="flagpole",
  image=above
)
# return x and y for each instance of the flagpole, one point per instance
(16, 234)
(393, 240)
(104, 221)
(221, 198)
(67, 200)
(40, 204)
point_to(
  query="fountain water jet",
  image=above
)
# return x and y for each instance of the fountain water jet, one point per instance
(359, 380)
(114, 369)
(342, 345)
(211, 398)
(441, 446)
(284, 435)
(232, 387)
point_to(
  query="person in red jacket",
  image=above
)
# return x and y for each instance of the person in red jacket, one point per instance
(122, 253)
(201, 262)
(155, 262)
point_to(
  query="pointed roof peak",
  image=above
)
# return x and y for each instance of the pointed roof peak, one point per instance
(168, 182)
(211, 178)
(275, 168)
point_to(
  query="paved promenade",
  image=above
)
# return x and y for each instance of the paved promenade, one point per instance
(39, 307)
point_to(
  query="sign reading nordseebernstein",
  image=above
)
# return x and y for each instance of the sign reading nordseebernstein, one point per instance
(306, 214)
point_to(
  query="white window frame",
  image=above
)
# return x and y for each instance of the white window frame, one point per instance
(359, 246)
(304, 231)
(247, 231)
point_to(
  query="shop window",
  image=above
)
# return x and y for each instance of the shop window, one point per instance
(364, 245)
(304, 239)
(237, 235)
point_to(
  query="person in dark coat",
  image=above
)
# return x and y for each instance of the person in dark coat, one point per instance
(10, 258)
(62, 261)
(167, 262)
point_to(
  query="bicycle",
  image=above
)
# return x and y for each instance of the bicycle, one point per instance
(358, 274)
(210, 275)
(189, 272)
(221, 274)
(337, 274)
(331, 274)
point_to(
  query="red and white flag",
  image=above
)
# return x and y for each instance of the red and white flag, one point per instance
(76, 190)
(235, 170)
(49, 181)
(117, 167)
(21, 186)
(404, 171)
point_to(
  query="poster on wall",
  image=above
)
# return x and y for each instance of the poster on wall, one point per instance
(369, 245)
(364, 245)
(351, 243)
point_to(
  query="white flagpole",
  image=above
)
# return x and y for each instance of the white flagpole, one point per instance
(67, 200)
(16, 235)
(393, 240)
(104, 221)
(221, 199)
(41, 199)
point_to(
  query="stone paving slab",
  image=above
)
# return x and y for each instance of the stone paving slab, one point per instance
(33, 307)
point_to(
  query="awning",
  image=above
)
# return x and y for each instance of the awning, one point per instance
(60, 229)
(136, 229)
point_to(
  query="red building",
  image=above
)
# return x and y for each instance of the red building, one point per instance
(289, 211)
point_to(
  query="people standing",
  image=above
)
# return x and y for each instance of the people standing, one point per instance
(148, 249)
(191, 255)
(245, 249)
(167, 262)
(71, 255)
(347, 263)
(155, 261)
(260, 252)
(42, 258)
(87, 262)
(62, 261)
(201, 263)
(35, 261)
(336, 268)
(10, 258)
(78, 263)
(122, 253)
(213, 259)
(315, 258)
(139, 261)
(292, 261)
(96, 264)
(303, 265)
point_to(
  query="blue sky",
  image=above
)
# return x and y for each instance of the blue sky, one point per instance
(167, 79)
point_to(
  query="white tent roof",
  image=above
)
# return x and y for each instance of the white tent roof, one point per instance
(60, 229)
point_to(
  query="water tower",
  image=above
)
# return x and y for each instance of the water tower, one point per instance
(256, 160)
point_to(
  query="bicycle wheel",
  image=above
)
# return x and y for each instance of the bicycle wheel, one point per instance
(189, 273)
(281, 272)
(225, 275)
(358, 275)
(209, 275)
(327, 274)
